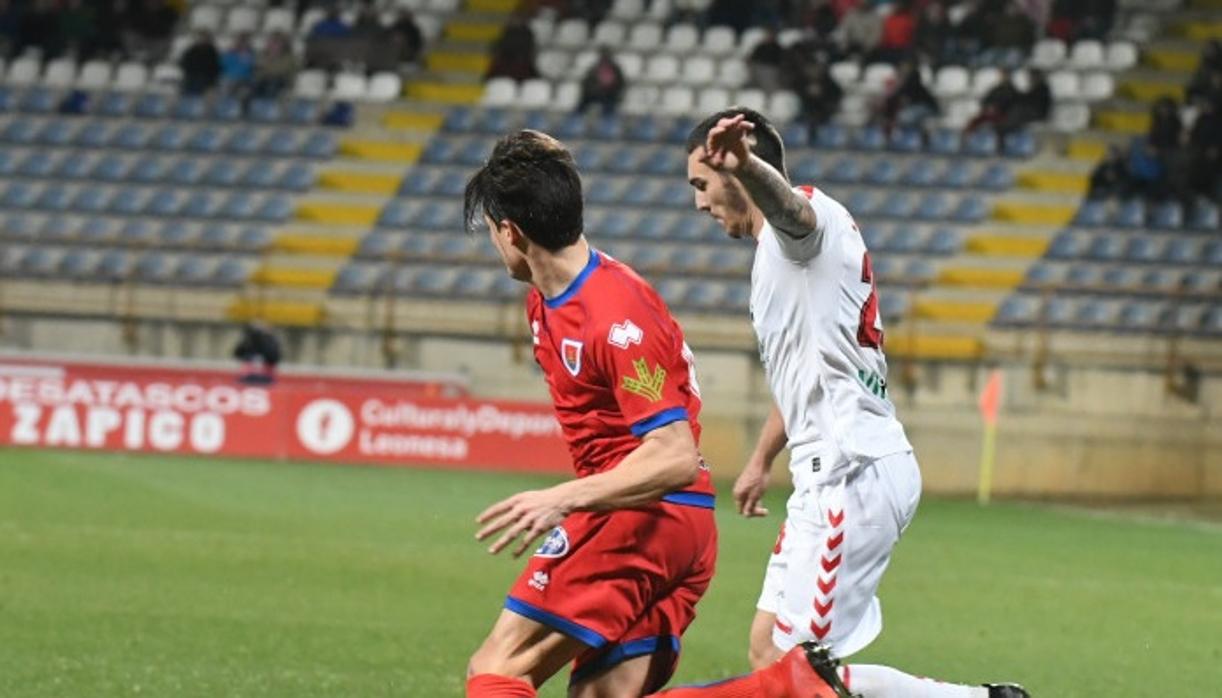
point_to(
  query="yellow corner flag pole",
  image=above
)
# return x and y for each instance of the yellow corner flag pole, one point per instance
(990, 403)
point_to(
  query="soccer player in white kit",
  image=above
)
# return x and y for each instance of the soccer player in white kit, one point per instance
(856, 483)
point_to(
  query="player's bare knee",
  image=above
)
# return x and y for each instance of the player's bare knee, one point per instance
(494, 658)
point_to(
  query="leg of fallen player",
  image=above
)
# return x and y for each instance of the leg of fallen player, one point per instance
(793, 676)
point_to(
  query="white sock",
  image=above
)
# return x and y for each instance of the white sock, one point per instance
(873, 681)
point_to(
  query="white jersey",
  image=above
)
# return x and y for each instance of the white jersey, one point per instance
(815, 313)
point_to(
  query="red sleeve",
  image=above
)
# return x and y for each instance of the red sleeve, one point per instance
(640, 355)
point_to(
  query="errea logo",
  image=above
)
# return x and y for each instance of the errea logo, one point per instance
(624, 333)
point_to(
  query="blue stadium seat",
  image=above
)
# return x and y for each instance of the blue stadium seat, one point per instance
(869, 138)
(131, 136)
(900, 204)
(475, 283)
(1092, 213)
(224, 172)
(244, 140)
(1213, 253)
(807, 169)
(644, 129)
(149, 168)
(218, 236)
(152, 105)
(190, 107)
(944, 241)
(199, 204)
(115, 265)
(231, 271)
(919, 271)
(138, 233)
(357, 278)
(452, 183)
(946, 142)
(283, 142)
(883, 172)
(40, 261)
(971, 209)
(924, 172)
(75, 166)
(440, 150)
(1066, 245)
(36, 164)
(18, 226)
(194, 269)
(1020, 144)
(207, 139)
(1168, 215)
(10, 259)
(416, 246)
(1106, 247)
(589, 158)
(1204, 215)
(1202, 282)
(129, 201)
(114, 104)
(606, 128)
(227, 109)
(1094, 314)
(1058, 311)
(171, 136)
(303, 112)
(1138, 316)
(252, 239)
(112, 168)
(625, 160)
(1212, 322)
(38, 100)
(21, 130)
(187, 171)
(495, 121)
(8, 162)
(863, 203)
(296, 176)
(845, 170)
(396, 214)
(98, 231)
(19, 195)
(376, 245)
(177, 234)
(95, 134)
(605, 190)
(893, 306)
(981, 143)
(997, 176)
(832, 137)
(419, 182)
(239, 204)
(1119, 278)
(79, 264)
(1161, 280)
(907, 140)
(165, 202)
(1141, 248)
(275, 208)
(437, 215)
(58, 132)
(91, 199)
(473, 152)
(460, 120)
(1132, 214)
(434, 281)
(1182, 251)
(932, 206)
(616, 224)
(264, 111)
(319, 144)
(1084, 276)
(155, 267)
(1043, 273)
(706, 295)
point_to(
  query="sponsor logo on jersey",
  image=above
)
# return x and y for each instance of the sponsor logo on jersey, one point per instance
(625, 333)
(873, 382)
(539, 580)
(570, 354)
(647, 384)
(555, 545)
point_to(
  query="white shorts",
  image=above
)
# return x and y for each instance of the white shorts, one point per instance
(834, 546)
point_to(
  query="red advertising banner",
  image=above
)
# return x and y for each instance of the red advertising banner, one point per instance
(204, 411)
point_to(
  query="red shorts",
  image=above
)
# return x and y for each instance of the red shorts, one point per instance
(625, 583)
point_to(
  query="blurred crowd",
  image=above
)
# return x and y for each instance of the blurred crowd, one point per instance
(88, 29)
(1180, 156)
(917, 36)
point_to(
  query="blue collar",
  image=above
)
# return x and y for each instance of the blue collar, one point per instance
(577, 283)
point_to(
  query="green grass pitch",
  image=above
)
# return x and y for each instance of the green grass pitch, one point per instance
(125, 576)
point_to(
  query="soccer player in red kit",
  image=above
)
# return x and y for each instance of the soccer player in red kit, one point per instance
(632, 542)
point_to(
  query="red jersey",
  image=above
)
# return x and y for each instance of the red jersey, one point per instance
(616, 364)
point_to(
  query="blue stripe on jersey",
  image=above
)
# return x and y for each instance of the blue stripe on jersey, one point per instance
(661, 419)
(555, 622)
(691, 499)
(622, 653)
(574, 287)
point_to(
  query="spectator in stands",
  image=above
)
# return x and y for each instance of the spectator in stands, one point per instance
(406, 36)
(731, 13)
(997, 104)
(1166, 128)
(909, 102)
(1034, 104)
(1110, 177)
(259, 352)
(276, 67)
(1204, 83)
(1204, 152)
(238, 66)
(368, 24)
(898, 36)
(201, 65)
(811, 80)
(685, 11)
(513, 54)
(1071, 20)
(10, 28)
(78, 29)
(1011, 37)
(38, 28)
(859, 32)
(932, 33)
(603, 84)
(819, 17)
(299, 6)
(1147, 173)
(331, 26)
(764, 62)
(149, 29)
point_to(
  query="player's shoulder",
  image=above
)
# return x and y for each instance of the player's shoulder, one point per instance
(622, 293)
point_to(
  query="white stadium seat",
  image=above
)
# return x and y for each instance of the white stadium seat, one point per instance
(631, 64)
(385, 87)
(662, 68)
(682, 38)
(1048, 54)
(678, 100)
(167, 76)
(784, 105)
(571, 33)
(311, 84)
(985, 79)
(733, 73)
(699, 70)
(1068, 117)
(553, 64)
(95, 75)
(877, 77)
(1065, 84)
(610, 34)
(846, 73)
(583, 61)
(789, 37)
(567, 95)
(641, 99)
(24, 71)
(279, 19)
(242, 20)
(207, 18)
(131, 77)
(543, 27)
(1087, 55)
(713, 99)
(628, 10)
(752, 99)
(61, 73)
(500, 92)
(645, 37)
(951, 81)
(718, 41)
(1121, 55)
(534, 94)
(659, 10)
(1098, 86)
(443, 7)
(958, 112)
(749, 40)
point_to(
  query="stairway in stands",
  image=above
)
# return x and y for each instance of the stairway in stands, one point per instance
(290, 287)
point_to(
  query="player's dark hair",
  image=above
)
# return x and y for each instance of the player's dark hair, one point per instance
(532, 180)
(768, 143)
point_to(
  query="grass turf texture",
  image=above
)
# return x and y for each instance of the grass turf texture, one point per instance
(124, 576)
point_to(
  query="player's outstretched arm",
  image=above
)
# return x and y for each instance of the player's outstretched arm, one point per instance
(728, 149)
(666, 460)
(752, 482)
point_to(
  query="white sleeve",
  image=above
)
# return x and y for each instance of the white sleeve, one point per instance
(827, 218)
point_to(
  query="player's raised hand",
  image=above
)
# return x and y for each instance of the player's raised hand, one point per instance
(527, 514)
(727, 146)
(749, 489)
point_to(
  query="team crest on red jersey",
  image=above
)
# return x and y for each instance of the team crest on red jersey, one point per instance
(570, 354)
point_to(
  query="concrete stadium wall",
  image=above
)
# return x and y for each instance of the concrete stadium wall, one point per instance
(1089, 432)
